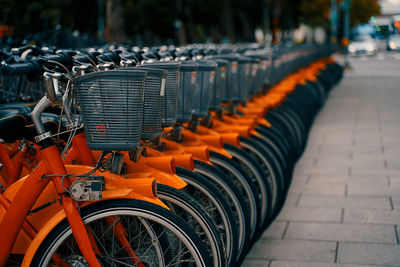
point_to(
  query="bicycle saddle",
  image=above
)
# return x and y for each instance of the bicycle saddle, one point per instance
(12, 123)
(15, 122)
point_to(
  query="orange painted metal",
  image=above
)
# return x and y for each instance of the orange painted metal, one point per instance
(14, 218)
(8, 165)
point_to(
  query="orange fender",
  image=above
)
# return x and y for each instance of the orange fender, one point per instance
(141, 169)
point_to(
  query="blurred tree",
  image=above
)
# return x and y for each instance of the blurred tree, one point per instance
(362, 10)
(115, 28)
(316, 12)
(151, 18)
(31, 16)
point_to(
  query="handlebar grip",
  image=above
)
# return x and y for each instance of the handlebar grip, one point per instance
(107, 56)
(62, 58)
(21, 69)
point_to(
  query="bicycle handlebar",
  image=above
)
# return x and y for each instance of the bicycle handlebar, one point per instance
(34, 68)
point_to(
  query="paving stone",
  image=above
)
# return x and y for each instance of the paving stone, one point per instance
(377, 216)
(362, 140)
(393, 164)
(341, 232)
(347, 180)
(300, 179)
(311, 264)
(275, 230)
(368, 164)
(310, 214)
(329, 170)
(320, 189)
(299, 250)
(396, 201)
(338, 163)
(366, 190)
(291, 200)
(394, 181)
(343, 202)
(256, 263)
(368, 253)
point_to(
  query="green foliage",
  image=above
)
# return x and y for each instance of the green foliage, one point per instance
(316, 12)
(362, 10)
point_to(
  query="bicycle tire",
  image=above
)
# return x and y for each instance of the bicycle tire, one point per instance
(263, 191)
(233, 196)
(159, 230)
(266, 162)
(191, 211)
(245, 185)
(215, 205)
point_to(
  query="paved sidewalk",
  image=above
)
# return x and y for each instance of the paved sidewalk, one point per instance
(343, 207)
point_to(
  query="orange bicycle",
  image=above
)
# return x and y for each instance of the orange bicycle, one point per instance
(66, 215)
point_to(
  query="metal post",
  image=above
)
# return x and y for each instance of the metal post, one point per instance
(266, 18)
(346, 33)
(334, 17)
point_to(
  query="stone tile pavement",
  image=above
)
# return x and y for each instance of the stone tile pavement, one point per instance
(343, 207)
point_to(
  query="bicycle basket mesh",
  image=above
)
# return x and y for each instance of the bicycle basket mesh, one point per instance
(244, 75)
(151, 127)
(232, 86)
(112, 108)
(218, 90)
(201, 95)
(187, 82)
(253, 76)
(169, 105)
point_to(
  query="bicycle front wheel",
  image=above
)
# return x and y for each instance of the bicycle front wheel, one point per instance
(127, 232)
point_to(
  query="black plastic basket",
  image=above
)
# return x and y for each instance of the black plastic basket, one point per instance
(170, 95)
(202, 95)
(219, 87)
(152, 115)
(112, 108)
(187, 84)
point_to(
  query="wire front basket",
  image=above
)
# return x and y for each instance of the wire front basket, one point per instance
(170, 103)
(202, 94)
(232, 83)
(152, 112)
(219, 87)
(187, 84)
(244, 77)
(112, 108)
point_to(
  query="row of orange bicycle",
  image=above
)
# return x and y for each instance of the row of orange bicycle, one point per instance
(164, 156)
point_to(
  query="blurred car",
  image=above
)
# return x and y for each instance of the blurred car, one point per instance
(393, 43)
(363, 45)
